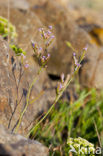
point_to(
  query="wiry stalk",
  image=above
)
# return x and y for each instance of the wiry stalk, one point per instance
(33, 130)
(28, 98)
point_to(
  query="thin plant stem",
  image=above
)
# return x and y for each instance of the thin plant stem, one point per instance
(57, 97)
(27, 103)
(56, 100)
(8, 19)
(17, 89)
(41, 93)
(17, 103)
(97, 134)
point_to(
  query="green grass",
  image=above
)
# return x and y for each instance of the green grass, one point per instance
(81, 118)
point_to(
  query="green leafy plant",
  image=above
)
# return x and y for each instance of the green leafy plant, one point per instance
(18, 51)
(7, 29)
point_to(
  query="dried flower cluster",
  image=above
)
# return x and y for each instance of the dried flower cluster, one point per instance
(41, 53)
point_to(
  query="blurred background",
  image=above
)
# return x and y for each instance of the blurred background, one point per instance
(92, 4)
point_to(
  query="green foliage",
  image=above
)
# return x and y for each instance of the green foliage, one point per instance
(6, 28)
(73, 119)
(18, 51)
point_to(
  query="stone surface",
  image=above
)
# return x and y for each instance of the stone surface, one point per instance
(17, 145)
(19, 4)
(14, 88)
(92, 4)
(85, 19)
(91, 74)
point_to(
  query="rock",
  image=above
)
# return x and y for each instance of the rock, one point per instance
(15, 144)
(5, 84)
(85, 19)
(14, 88)
(91, 73)
(20, 4)
(65, 29)
(93, 4)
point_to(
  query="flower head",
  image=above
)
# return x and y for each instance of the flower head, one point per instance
(50, 27)
(41, 53)
(76, 61)
(86, 48)
(40, 48)
(74, 54)
(40, 29)
(33, 44)
(52, 36)
(49, 32)
(48, 55)
(61, 86)
(78, 65)
(23, 55)
(62, 77)
(26, 65)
